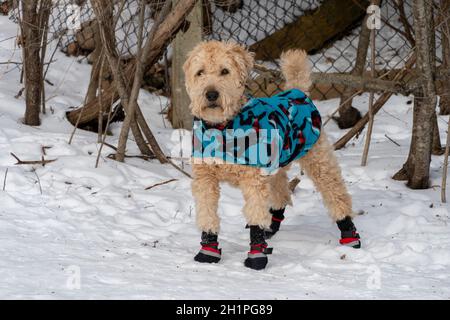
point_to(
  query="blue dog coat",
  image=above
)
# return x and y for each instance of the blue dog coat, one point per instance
(268, 132)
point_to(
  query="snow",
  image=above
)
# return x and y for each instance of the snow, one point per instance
(101, 227)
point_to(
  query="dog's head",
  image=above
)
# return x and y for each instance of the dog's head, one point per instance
(216, 73)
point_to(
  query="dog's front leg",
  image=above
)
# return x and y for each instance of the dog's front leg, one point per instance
(280, 197)
(256, 210)
(206, 192)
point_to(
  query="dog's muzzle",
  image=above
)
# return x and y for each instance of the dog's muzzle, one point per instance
(213, 105)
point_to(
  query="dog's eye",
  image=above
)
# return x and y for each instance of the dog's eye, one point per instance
(224, 72)
(200, 73)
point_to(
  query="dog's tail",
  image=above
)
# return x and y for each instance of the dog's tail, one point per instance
(296, 70)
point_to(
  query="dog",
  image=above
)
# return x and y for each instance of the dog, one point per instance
(216, 74)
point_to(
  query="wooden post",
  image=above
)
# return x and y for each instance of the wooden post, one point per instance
(182, 45)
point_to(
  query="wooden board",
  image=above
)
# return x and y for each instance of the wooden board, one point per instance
(314, 30)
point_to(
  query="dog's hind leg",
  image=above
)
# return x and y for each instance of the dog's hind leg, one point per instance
(280, 197)
(206, 192)
(256, 190)
(321, 166)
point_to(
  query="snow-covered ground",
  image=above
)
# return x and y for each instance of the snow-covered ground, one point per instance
(69, 230)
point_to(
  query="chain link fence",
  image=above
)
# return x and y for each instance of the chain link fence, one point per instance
(271, 26)
(328, 29)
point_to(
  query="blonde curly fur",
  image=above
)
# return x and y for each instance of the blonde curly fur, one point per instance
(204, 71)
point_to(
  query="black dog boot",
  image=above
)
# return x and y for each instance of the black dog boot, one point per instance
(349, 235)
(210, 252)
(277, 218)
(257, 256)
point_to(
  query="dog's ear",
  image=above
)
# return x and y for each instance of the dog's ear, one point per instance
(244, 58)
(191, 56)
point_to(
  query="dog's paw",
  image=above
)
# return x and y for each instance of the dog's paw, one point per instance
(256, 261)
(209, 255)
(354, 241)
(349, 235)
(277, 219)
(351, 242)
(206, 257)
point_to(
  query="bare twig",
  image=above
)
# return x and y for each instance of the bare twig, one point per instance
(161, 184)
(143, 157)
(110, 116)
(179, 169)
(392, 140)
(44, 150)
(400, 5)
(41, 162)
(4, 179)
(21, 63)
(100, 96)
(79, 117)
(445, 168)
(39, 180)
(371, 101)
(11, 62)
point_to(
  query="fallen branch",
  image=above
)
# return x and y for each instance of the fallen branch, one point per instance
(42, 162)
(161, 184)
(11, 62)
(112, 156)
(392, 140)
(365, 83)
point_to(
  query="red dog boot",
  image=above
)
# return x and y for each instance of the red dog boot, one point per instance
(210, 252)
(257, 256)
(277, 218)
(349, 235)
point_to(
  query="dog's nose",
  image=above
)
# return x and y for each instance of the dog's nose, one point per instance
(212, 95)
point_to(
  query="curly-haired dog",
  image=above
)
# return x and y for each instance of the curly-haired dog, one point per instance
(216, 74)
